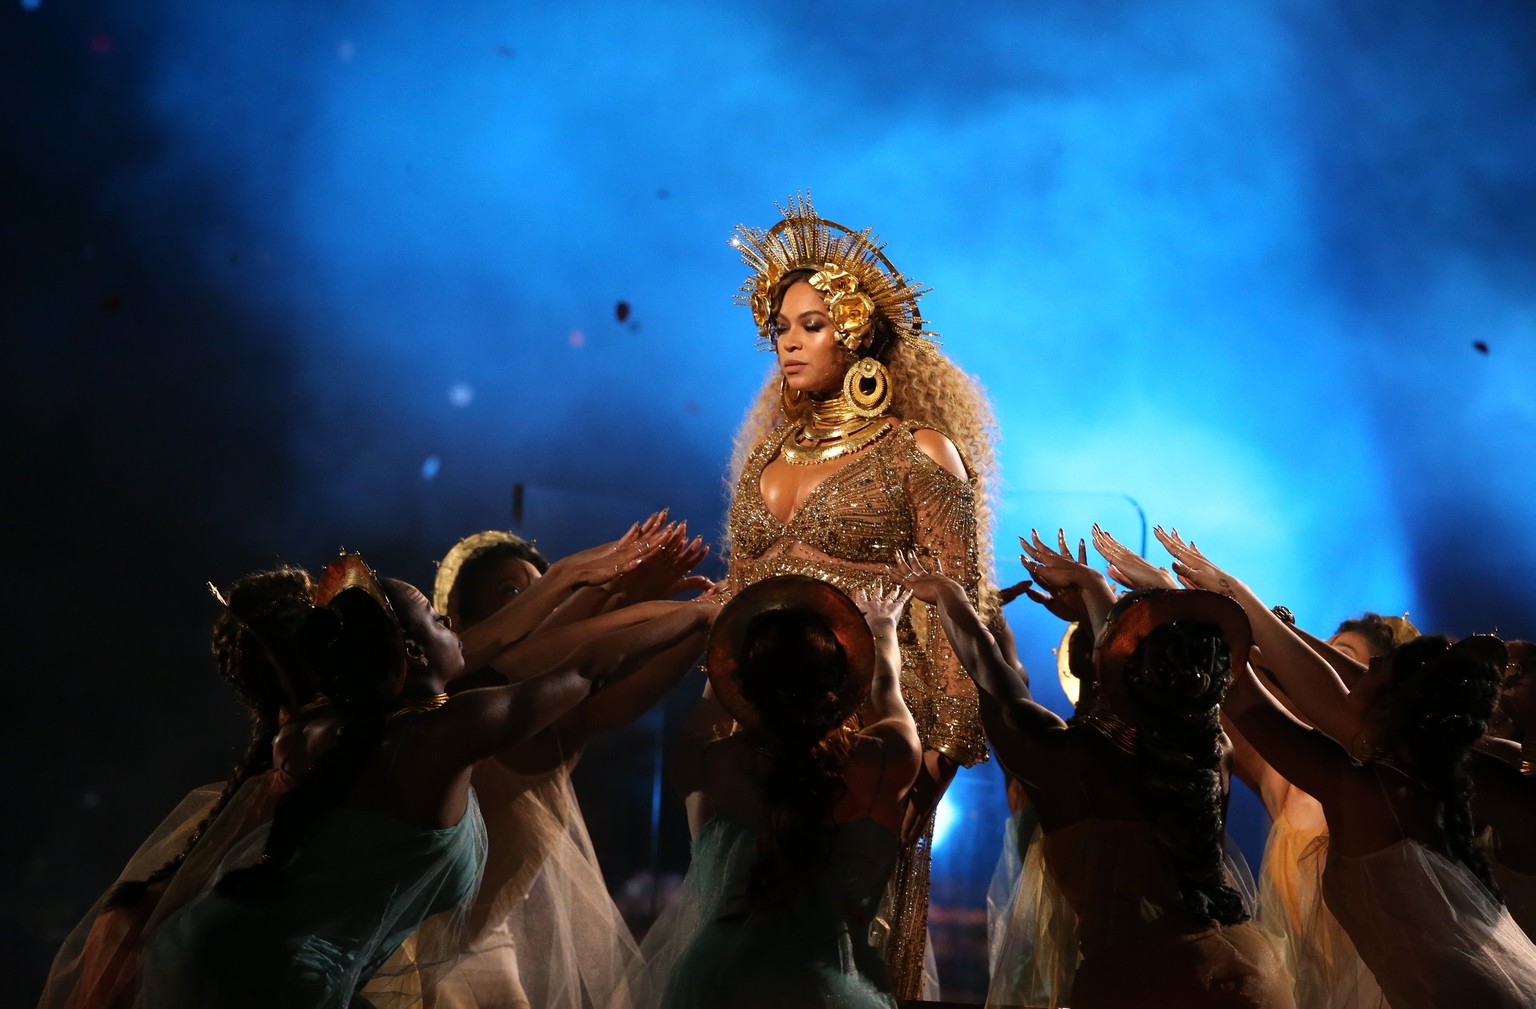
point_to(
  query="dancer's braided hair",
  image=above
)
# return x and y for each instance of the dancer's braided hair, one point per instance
(1447, 693)
(253, 645)
(356, 647)
(794, 673)
(1177, 676)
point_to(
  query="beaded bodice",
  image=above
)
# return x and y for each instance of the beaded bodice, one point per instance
(848, 530)
(857, 513)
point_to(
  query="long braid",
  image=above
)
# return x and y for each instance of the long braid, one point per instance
(793, 672)
(802, 786)
(264, 612)
(1449, 693)
(1178, 675)
(355, 646)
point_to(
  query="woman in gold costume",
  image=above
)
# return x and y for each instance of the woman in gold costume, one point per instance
(865, 442)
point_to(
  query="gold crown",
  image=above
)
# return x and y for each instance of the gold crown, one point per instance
(852, 272)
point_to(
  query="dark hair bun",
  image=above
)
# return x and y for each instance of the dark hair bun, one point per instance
(355, 647)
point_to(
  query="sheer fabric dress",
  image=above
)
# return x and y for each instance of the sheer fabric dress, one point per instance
(544, 931)
(815, 952)
(97, 967)
(358, 886)
(1517, 888)
(891, 497)
(1111, 929)
(1319, 954)
(1429, 931)
(1012, 928)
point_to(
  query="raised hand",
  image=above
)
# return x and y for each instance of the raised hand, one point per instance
(932, 587)
(882, 605)
(1068, 581)
(1195, 570)
(1009, 593)
(597, 565)
(645, 529)
(1129, 568)
(602, 565)
(664, 569)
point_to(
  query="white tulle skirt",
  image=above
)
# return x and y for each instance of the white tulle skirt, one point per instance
(1431, 934)
(1318, 953)
(544, 932)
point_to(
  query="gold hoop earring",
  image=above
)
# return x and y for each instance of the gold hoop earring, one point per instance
(789, 399)
(867, 386)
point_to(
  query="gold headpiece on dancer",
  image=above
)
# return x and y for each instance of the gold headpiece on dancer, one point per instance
(852, 273)
(445, 590)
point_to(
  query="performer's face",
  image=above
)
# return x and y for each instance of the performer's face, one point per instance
(1354, 645)
(494, 588)
(810, 358)
(1374, 698)
(429, 630)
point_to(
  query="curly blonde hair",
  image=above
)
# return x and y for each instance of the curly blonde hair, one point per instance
(927, 388)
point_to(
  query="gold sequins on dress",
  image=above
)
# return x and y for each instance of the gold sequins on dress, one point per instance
(848, 530)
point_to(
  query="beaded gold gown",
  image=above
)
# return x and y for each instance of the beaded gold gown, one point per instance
(891, 497)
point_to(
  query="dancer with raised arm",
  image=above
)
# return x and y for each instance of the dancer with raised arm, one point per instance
(1324, 966)
(1402, 873)
(384, 830)
(1138, 906)
(544, 931)
(801, 813)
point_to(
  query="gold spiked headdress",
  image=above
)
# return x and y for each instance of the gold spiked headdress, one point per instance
(852, 273)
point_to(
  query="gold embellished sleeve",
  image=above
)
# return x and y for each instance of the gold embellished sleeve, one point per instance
(944, 535)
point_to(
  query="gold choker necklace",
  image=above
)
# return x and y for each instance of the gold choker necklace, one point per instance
(420, 707)
(834, 430)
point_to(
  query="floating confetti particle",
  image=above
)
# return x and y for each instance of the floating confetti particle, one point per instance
(90, 800)
(461, 394)
(1480, 347)
(430, 467)
(693, 407)
(101, 43)
(621, 311)
(578, 338)
(662, 194)
(112, 304)
(506, 52)
(345, 50)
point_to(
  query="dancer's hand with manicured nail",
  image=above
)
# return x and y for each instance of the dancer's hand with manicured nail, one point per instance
(1195, 570)
(1073, 590)
(1129, 568)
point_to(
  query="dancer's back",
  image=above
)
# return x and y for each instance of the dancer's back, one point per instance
(812, 951)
